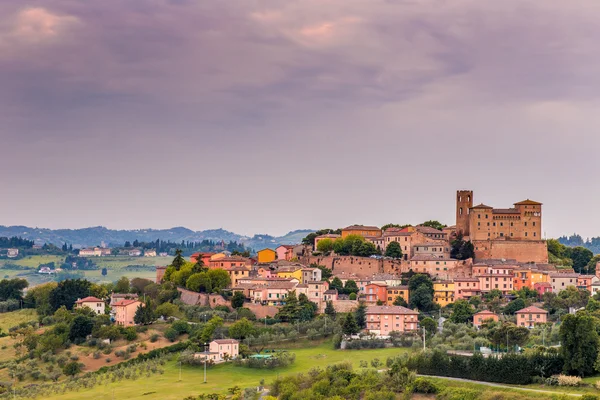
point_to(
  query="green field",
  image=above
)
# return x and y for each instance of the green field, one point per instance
(221, 377)
(11, 319)
(33, 261)
(117, 262)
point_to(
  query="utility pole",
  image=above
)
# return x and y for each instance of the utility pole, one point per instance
(424, 346)
(180, 371)
(544, 337)
(506, 342)
(205, 359)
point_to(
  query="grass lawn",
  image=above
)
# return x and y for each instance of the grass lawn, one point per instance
(34, 261)
(115, 262)
(221, 377)
(13, 318)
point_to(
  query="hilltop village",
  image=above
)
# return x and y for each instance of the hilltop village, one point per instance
(488, 250)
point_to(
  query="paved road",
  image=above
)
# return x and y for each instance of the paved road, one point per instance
(498, 385)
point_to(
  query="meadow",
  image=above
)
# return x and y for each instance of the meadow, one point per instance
(10, 319)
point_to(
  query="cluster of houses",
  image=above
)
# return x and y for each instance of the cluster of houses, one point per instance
(105, 251)
(122, 307)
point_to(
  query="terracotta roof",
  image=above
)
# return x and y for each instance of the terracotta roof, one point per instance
(329, 236)
(287, 246)
(302, 286)
(231, 258)
(546, 284)
(466, 279)
(422, 257)
(564, 275)
(397, 288)
(267, 249)
(122, 303)
(225, 341)
(431, 244)
(428, 229)
(487, 312)
(237, 268)
(505, 211)
(330, 291)
(361, 227)
(528, 202)
(390, 310)
(482, 206)
(532, 310)
(89, 299)
(390, 233)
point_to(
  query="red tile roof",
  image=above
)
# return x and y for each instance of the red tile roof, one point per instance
(89, 299)
(532, 310)
(123, 303)
(390, 310)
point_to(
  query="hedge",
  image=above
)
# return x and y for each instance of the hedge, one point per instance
(516, 369)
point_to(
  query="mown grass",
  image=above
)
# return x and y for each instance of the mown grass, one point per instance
(221, 377)
(116, 262)
(10, 319)
(33, 261)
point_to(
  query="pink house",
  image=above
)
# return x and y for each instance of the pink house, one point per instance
(542, 287)
(285, 252)
(465, 288)
(376, 292)
(225, 348)
(530, 316)
(125, 311)
(381, 320)
(482, 316)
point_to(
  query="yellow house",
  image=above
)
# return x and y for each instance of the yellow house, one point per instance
(237, 273)
(266, 256)
(395, 291)
(361, 230)
(290, 272)
(443, 292)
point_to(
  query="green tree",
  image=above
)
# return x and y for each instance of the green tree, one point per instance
(508, 333)
(67, 292)
(210, 328)
(429, 325)
(12, 289)
(242, 329)
(72, 368)
(291, 309)
(122, 285)
(349, 326)
(434, 224)
(330, 309)
(199, 282)
(399, 301)
(104, 271)
(462, 312)
(461, 249)
(325, 245)
(418, 280)
(581, 257)
(237, 300)
(422, 299)
(366, 249)
(167, 310)
(178, 261)
(38, 297)
(350, 287)
(360, 315)
(393, 250)
(219, 279)
(144, 314)
(352, 296)
(579, 343)
(514, 306)
(80, 328)
(336, 283)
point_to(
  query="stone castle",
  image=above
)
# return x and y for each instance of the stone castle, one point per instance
(502, 233)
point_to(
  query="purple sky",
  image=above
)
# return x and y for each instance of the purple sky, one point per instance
(267, 116)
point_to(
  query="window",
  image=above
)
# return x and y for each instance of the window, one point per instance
(525, 234)
(533, 223)
(501, 223)
(525, 223)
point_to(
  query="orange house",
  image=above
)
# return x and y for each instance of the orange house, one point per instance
(531, 316)
(376, 292)
(125, 311)
(230, 262)
(361, 230)
(266, 256)
(585, 282)
(395, 291)
(482, 316)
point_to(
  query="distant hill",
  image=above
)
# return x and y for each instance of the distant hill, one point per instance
(575, 240)
(94, 235)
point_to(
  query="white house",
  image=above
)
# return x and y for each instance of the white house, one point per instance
(94, 303)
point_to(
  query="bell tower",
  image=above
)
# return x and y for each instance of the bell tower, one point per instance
(464, 202)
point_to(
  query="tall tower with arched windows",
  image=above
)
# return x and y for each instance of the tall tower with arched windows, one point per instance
(464, 202)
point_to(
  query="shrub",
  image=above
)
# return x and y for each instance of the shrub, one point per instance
(589, 397)
(74, 357)
(130, 334)
(107, 360)
(171, 334)
(458, 394)
(96, 355)
(72, 368)
(119, 353)
(181, 327)
(279, 360)
(422, 385)
(154, 337)
(566, 380)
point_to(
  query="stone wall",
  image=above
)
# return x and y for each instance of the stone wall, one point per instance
(520, 250)
(360, 267)
(202, 299)
(341, 306)
(262, 311)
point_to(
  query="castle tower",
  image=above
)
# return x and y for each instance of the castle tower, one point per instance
(464, 201)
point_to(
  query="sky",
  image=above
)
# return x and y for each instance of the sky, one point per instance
(274, 115)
